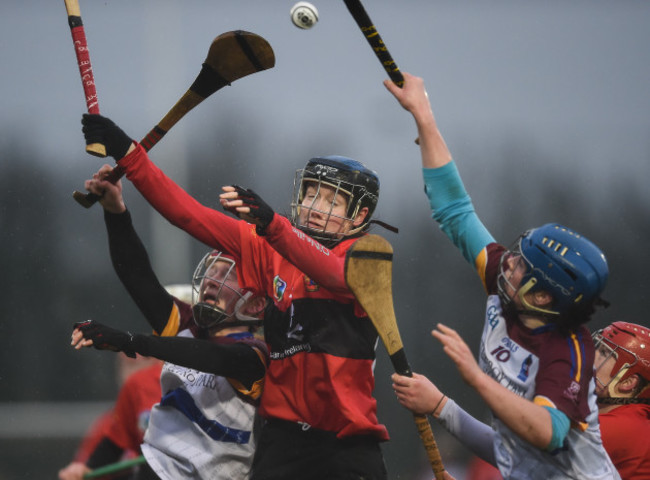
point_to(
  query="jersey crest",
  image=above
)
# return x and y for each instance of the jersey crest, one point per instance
(572, 391)
(525, 368)
(279, 287)
(310, 285)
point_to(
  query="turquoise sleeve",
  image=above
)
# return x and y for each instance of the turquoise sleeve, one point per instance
(561, 424)
(453, 210)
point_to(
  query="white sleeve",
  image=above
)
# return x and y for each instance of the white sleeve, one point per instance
(474, 434)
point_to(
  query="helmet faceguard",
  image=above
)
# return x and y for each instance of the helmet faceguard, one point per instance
(558, 261)
(629, 345)
(216, 296)
(342, 176)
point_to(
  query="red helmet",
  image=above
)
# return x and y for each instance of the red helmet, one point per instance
(630, 345)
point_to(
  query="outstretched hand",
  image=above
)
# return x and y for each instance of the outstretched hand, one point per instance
(456, 348)
(99, 129)
(248, 205)
(95, 334)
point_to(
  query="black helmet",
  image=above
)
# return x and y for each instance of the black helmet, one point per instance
(348, 177)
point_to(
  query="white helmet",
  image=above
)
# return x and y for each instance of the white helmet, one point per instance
(216, 296)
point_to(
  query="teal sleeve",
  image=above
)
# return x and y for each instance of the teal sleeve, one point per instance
(560, 423)
(453, 210)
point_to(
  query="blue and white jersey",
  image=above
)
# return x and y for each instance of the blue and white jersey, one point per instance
(205, 426)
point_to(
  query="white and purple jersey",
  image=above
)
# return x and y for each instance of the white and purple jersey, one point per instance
(542, 365)
(204, 427)
(547, 368)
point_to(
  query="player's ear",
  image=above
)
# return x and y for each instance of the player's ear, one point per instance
(629, 385)
(542, 298)
(255, 306)
(361, 216)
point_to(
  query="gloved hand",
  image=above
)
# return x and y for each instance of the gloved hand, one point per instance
(260, 213)
(98, 129)
(107, 338)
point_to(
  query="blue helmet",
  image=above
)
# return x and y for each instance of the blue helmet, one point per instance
(346, 176)
(563, 263)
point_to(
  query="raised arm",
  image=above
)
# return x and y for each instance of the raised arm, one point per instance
(450, 203)
(129, 256)
(414, 99)
(207, 225)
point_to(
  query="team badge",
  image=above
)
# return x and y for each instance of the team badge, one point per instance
(572, 391)
(279, 287)
(310, 285)
(493, 315)
(525, 368)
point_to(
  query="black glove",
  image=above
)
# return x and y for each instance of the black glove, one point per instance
(107, 338)
(260, 215)
(98, 129)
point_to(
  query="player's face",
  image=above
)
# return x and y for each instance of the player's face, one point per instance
(604, 362)
(220, 287)
(514, 272)
(324, 210)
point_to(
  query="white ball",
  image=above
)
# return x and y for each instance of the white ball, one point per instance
(304, 15)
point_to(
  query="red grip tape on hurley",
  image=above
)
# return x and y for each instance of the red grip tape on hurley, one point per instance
(85, 68)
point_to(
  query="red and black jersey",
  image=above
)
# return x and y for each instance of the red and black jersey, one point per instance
(322, 348)
(322, 344)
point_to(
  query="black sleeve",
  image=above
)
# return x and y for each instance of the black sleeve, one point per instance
(235, 360)
(132, 265)
(105, 452)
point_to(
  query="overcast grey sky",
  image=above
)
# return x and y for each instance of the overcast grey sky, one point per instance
(556, 71)
(571, 78)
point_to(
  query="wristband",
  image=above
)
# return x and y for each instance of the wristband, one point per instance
(437, 405)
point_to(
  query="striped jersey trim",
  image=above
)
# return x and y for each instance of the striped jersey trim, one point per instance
(173, 323)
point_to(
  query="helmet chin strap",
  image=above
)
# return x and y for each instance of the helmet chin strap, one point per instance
(613, 399)
(611, 385)
(240, 303)
(532, 309)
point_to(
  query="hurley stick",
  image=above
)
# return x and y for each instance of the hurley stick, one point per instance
(374, 39)
(108, 471)
(85, 68)
(232, 55)
(368, 273)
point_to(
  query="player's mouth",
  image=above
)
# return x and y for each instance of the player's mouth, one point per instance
(209, 297)
(315, 225)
